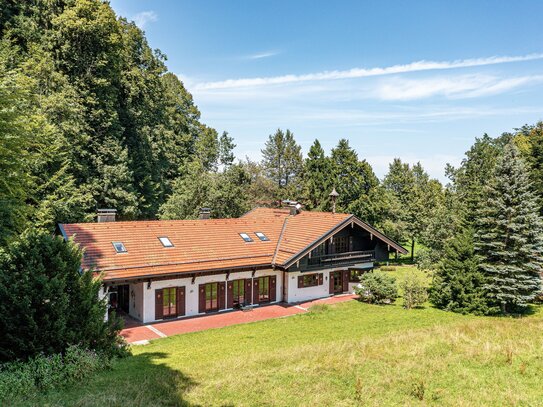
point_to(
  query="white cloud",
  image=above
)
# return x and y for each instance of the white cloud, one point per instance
(260, 55)
(141, 19)
(451, 87)
(363, 72)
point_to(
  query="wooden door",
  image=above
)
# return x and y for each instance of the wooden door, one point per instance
(158, 304)
(248, 290)
(273, 288)
(222, 295)
(181, 300)
(202, 298)
(230, 294)
(331, 283)
(345, 280)
(256, 299)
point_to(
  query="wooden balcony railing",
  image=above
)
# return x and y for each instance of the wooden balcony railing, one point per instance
(338, 259)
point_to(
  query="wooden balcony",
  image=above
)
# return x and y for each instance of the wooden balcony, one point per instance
(340, 259)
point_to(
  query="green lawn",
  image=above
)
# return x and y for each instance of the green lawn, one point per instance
(342, 355)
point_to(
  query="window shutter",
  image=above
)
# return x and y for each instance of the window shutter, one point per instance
(222, 295)
(202, 298)
(158, 304)
(256, 300)
(321, 279)
(331, 282)
(180, 301)
(345, 280)
(248, 290)
(300, 281)
(273, 288)
(229, 295)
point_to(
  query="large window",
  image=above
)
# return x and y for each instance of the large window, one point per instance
(311, 280)
(263, 289)
(169, 302)
(341, 244)
(212, 296)
(238, 292)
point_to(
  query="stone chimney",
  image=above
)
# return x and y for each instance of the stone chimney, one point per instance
(106, 215)
(205, 213)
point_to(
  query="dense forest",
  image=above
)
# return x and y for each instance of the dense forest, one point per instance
(91, 118)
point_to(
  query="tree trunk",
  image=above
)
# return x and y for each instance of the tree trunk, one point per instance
(412, 250)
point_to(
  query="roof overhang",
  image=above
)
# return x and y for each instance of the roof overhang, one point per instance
(353, 220)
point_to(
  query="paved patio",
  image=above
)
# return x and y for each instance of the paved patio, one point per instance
(140, 334)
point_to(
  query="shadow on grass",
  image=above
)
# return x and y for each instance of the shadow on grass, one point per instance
(140, 380)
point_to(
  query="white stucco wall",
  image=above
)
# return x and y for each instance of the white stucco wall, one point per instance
(191, 290)
(136, 301)
(295, 294)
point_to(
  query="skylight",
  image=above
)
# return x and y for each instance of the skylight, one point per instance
(262, 236)
(246, 237)
(119, 247)
(166, 242)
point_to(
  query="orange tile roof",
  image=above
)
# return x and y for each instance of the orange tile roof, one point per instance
(199, 245)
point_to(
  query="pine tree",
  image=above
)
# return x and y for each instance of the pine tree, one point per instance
(458, 283)
(509, 235)
(317, 177)
(282, 158)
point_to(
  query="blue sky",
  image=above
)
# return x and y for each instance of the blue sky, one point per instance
(417, 80)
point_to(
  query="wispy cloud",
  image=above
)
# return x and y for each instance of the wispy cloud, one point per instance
(261, 55)
(462, 86)
(141, 19)
(364, 72)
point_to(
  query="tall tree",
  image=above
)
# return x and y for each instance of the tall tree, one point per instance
(317, 177)
(509, 235)
(282, 158)
(529, 139)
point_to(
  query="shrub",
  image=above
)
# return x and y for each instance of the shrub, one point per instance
(387, 268)
(47, 304)
(377, 288)
(414, 292)
(42, 373)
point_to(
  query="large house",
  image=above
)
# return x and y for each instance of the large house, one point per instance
(154, 270)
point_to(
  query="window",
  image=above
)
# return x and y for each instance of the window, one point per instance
(263, 289)
(166, 242)
(169, 302)
(246, 237)
(119, 247)
(319, 251)
(341, 244)
(262, 236)
(311, 280)
(238, 292)
(212, 296)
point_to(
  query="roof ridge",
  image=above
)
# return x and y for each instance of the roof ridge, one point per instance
(279, 240)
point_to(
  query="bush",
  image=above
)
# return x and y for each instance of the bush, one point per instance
(414, 292)
(42, 373)
(377, 288)
(47, 304)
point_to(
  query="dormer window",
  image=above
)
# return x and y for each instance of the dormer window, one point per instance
(246, 237)
(119, 247)
(262, 236)
(166, 242)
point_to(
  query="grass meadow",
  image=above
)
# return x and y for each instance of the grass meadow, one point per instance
(348, 354)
